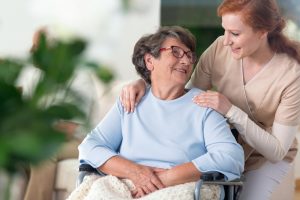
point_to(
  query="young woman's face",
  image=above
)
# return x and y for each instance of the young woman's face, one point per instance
(240, 37)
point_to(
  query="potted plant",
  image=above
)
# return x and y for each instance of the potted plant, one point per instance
(27, 125)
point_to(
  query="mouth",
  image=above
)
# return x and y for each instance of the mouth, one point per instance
(235, 50)
(181, 70)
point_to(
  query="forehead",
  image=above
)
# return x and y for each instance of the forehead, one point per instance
(171, 41)
(233, 21)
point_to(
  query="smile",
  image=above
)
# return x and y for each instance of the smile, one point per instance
(181, 70)
(235, 50)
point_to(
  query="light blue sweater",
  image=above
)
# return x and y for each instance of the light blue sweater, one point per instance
(165, 133)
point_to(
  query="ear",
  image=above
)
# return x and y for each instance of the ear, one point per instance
(149, 61)
(263, 34)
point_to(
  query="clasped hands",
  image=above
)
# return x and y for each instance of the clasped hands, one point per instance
(147, 180)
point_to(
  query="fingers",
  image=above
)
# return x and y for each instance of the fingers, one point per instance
(140, 193)
(125, 99)
(206, 99)
(134, 193)
(129, 98)
(157, 182)
(146, 190)
(132, 101)
(145, 180)
(150, 188)
(139, 97)
(214, 100)
(143, 190)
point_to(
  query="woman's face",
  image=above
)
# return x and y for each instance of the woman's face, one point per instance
(168, 69)
(240, 37)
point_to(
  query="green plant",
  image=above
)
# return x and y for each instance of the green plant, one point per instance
(27, 125)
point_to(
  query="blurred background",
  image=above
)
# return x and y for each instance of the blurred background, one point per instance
(111, 27)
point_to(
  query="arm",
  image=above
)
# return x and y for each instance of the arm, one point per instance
(183, 173)
(223, 154)
(272, 146)
(104, 141)
(100, 150)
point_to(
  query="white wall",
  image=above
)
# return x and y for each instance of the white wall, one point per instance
(20, 18)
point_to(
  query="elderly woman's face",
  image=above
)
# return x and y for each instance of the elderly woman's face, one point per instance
(169, 67)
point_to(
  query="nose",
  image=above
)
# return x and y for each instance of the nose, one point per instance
(227, 41)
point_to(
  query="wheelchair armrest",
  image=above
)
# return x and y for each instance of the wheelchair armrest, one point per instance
(85, 169)
(212, 176)
(217, 178)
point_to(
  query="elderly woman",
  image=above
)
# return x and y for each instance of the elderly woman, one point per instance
(156, 146)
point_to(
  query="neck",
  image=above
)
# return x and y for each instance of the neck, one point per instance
(259, 58)
(165, 92)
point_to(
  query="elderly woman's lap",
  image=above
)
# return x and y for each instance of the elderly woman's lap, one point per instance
(111, 187)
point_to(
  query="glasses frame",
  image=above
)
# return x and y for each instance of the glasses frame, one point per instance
(189, 54)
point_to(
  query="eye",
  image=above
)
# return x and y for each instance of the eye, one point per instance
(235, 34)
(190, 55)
(177, 52)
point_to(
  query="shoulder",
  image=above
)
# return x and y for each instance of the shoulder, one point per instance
(288, 69)
(207, 111)
(194, 91)
(217, 50)
(218, 43)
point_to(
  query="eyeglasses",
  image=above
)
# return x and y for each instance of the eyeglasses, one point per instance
(179, 53)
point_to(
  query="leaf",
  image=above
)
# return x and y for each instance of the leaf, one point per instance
(57, 59)
(10, 99)
(105, 74)
(64, 111)
(10, 70)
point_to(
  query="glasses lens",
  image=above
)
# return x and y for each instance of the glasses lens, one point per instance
(177, 52)
(191, 56)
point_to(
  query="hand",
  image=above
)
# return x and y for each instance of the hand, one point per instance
(214, 100)
(131, 94)
(164, 177)
(145, 181)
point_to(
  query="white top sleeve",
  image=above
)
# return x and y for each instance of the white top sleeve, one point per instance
(273, 146)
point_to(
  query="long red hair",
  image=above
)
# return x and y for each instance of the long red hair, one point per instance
(264, 15)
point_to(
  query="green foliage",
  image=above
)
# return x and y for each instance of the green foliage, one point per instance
(205, 36)
(27, 125)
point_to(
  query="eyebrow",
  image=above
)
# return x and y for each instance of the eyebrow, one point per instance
(235, 30)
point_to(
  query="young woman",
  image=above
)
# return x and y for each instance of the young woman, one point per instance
(256, 71)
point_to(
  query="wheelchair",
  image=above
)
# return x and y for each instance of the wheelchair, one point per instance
(231, 188)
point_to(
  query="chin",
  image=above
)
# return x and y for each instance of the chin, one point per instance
(236, 56)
